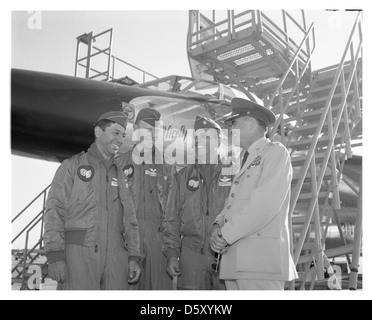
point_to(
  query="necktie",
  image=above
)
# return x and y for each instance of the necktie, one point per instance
(246, 154)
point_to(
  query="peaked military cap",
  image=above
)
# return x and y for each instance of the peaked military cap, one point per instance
(242, 108)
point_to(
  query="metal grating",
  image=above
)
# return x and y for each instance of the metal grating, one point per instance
(250, 58)
(268, 80)
(235, 52)
(262, 43)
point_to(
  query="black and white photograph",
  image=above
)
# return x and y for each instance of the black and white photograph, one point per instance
(185, 150)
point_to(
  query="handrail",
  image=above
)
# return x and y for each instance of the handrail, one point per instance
(33, 220)
(38, 196)
(284, 78)
(285, 39)
(229, 21)
(28, 206)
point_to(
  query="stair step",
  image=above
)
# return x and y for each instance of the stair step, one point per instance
(267, 87)
(233, 59)
(304, 144)
(36, 251)
(298, 161)
(300, 220)
(296, 176)
(336, 100)
(18, 280)
(322, 91)
(292, 110)
(307, 197)
(313, 116)
(329, 73)
(258, 69)
(310, 129)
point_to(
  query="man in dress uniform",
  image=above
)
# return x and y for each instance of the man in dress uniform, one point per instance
(197, 196)
(149, 183)
(86, 214)
(252, 230)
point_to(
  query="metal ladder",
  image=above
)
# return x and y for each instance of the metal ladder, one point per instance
(28, 258)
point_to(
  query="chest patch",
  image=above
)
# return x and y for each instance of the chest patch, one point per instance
(151, 172)
(85, 173)
(129, 171)
(256, 162)
(224, 181)
(193, 184)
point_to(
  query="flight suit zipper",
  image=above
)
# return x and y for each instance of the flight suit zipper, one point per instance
(201, 189)
(108, 215)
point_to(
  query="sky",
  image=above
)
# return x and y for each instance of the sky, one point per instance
(153, 40)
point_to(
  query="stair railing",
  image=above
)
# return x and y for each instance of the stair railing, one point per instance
(279, 88)
(333, 127)
(36, 221)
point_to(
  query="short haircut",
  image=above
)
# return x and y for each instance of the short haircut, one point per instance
(262, 124)
(104, 123)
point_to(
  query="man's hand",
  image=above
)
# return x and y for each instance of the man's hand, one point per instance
(218, 243)
(58, 271)
(173, 267)
(134, 272)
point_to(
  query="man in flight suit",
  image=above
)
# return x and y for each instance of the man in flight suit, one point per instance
(149, 183)
(85, 216)
(197, 196)
(252, 230)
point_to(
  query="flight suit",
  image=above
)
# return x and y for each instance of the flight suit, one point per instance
(197, 196)
(149, 185)
(85, 216)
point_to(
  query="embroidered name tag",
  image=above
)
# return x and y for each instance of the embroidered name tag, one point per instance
(151, 172)
(114, 182)
(224, 182)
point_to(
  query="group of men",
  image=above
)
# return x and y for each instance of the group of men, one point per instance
(115, 224)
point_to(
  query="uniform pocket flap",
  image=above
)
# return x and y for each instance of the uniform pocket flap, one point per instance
(75, 236)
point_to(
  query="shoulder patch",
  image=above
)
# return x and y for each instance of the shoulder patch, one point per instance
(129, 171)
(85, 173)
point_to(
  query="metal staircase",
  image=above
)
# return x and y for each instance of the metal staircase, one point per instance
(249, 51)
(31, 260)
(318, 116)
